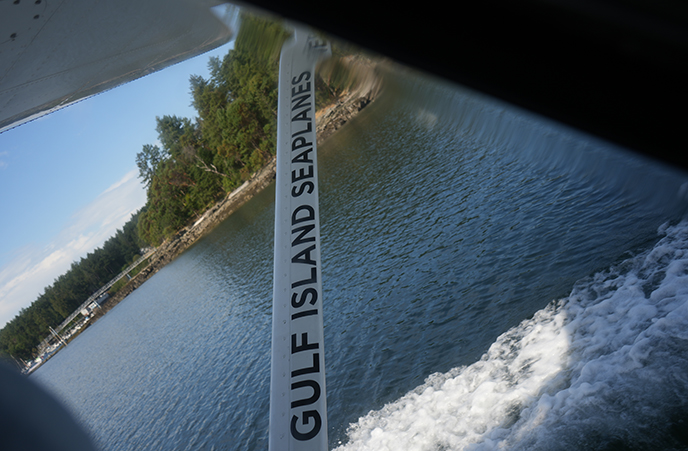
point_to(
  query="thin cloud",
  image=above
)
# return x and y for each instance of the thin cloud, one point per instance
(32, 269)
(127, 178)
(3, 164)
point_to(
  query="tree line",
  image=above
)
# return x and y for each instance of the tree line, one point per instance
(197, 162)
(20, 337)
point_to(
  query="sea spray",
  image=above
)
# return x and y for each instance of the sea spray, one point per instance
(606, 366)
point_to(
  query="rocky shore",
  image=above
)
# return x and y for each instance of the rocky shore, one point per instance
(328, 120)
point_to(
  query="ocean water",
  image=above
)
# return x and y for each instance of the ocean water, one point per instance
(603, 368)
(491, 280)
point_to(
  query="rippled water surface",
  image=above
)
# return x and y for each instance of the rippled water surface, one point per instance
(490, 280)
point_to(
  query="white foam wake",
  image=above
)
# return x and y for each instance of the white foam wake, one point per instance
(607, 365)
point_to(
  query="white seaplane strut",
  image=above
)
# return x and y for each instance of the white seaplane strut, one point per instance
(298, 408)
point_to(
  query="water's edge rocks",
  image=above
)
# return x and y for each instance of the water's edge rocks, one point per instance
(328, 121)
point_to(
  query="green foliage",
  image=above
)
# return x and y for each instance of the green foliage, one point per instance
(23, 334)
(124, 280)
(197, 163)
(232, 137)
(118, 286)
(262, 38)
(147, 161)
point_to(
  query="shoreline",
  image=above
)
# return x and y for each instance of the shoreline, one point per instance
(328, 120)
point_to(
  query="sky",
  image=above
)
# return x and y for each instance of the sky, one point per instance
(69, 180)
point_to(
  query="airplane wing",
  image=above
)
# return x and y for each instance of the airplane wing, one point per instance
(56, 52)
